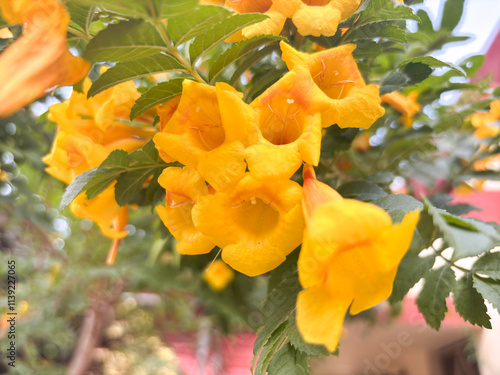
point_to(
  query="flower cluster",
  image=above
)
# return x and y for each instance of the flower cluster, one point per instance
(247, 153)
(88, 130)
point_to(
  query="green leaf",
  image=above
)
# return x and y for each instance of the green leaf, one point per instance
(361, 190)
(81, 16)
(76, 187)
(469, 303)
(417, 72)
(398, 202)
(488, 265)
(129, 70)
(434, 63)
(109, 170)
(220, 32)
(289, 361)
(431, 301)
(411, 269)
(367, 49)
(393, 82)
(158, 94)
(272, 346)
(176, 8)
(265, 80)
(132, 8)
(181, 29)
(456, 119)
(385, 10)
(377, 30)
(425, 22)
(452, 13)
(489, 289)
(238, 51)
(296, 340)
(125, 41)
(468, 237)
(250, 61)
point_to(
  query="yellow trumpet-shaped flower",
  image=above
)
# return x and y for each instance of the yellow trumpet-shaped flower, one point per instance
(218, 275)
(317, 17)
(352, 103)
(349, 259)
(273, 25)
(289, 126)
(484, 122)
(183, 188)
(406, 105)
(208, 132)
(256, 224)
(39, 60)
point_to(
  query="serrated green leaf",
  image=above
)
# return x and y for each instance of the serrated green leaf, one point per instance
(396, 202)
(238, 51)
(377, 30)
(220, 32)
(385, 10)
(469, 303)
(181, 29)
(125, 41)
(289, 361)
(434, 63)
(76, 187)
(489, 289)
(130, 183)
(367, 49)
(488, 265)
(452, 13)
(411, 269)
(175, 8)
(431, 301)
(270, 349)
(361, 190)
(158, 94)
(457, 233)
(81, 16)
(129, 70)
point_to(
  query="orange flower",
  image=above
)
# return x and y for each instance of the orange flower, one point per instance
(351, 102)
(289, 126)
(484, 122)
(39, 60)
(406, 105)
(218, 275)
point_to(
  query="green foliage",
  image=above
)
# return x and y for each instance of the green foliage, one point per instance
(289, 361)
(410, 271)
(469, 303)
(489, 289)
(159, 94)
(452, 13)
(488, 265)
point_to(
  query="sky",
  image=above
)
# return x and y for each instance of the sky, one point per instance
(481, 21)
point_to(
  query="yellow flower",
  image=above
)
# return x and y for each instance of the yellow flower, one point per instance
(352, 103)
(39, 59)
(289, 126)
(273, 25)
(208, 132)
(484, 122)
(104, 211)
(218, 275)
(256, 224)
(406, 105)
(349, 259)
(317, 17)
(184, 186)
(165, 112)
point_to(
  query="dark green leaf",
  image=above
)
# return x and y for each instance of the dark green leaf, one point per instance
(76, 187)
(367, 49)
(239, 51)
(411, 269)
(378, 30)
(264, 81)
(469, 303)
(434, 63)
(393, 82)
(289, 361)
(158, 94)
(125, 41)
(361, 190)
(130, 183)
(220, 32)
(109, 170)
(488, 265)
(489, 289)
(250, 61)
(452, 13)
(431, 301)
(129, 70)
(182, 28)
(385, 10)
(417, 72)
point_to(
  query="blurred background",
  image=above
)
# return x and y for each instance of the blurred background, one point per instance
(154, 312)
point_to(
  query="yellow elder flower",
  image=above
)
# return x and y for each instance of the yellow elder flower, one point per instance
(317, 17)
(289, 126)
(352, 103)
(218, 275)
(273, 25)
(39, 59)
(183, 188)
(208, 132)
(484, 122)
(256, 224)
(349, 259)
(406, 105)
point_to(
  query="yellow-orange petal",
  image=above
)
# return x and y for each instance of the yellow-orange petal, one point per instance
(218, 275)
